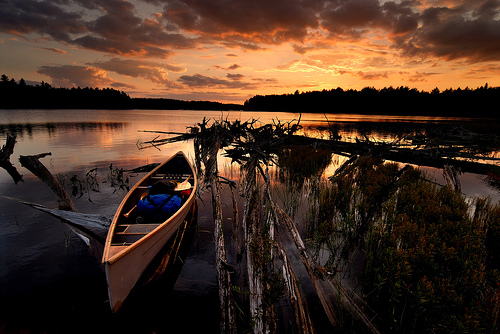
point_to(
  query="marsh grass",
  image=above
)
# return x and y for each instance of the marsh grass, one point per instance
(429, 264)
(90, 183)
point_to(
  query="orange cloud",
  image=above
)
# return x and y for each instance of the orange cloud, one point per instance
(76, 76)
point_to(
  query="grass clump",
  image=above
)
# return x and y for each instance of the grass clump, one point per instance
(431, 257)
(427, 260)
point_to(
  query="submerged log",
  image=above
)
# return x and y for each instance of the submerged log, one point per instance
(5, 153)
(34, 165)
(94, 225)
(320, 278)
(302, 319)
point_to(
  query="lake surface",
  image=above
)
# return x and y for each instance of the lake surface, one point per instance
(51, 282)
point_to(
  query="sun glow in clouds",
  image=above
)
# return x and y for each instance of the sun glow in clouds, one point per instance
(229, 51)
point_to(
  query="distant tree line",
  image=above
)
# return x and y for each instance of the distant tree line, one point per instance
(14, 95)
(480, 102)
(19, 95)
(170, 104)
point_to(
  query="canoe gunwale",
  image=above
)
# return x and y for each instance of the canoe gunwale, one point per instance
(112, 231)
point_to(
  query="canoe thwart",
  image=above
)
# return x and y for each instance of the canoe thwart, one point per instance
(135, 228)
(177, 177)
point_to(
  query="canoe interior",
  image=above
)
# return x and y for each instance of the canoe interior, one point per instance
(127, 230)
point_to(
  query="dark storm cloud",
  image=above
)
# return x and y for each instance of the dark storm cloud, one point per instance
(118, 30)
(262, 21)
(448, 30)
(469, 33)
(45, 18)
(121, 47)
(355, 19)
(115, 27)
(464, 29)
(350, 18)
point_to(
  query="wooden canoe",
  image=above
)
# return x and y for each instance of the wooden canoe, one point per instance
(130, 247)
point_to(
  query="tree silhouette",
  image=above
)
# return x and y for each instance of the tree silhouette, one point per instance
(20, 95)
(44, 96)
(402, 100)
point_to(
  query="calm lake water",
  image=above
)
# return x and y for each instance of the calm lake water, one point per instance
(49, 280)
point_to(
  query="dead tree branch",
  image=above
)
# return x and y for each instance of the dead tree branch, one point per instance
(251, 231)
(32, 163)
(208, 154)
(5, 154)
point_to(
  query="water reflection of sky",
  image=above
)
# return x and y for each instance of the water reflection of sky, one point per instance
(84, 139)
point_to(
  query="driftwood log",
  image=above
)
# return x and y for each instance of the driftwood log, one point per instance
(302, 318)
(94, 225)
(33, 164)
(468, 152)
(5, 153)
(252, 233)
(227, 308)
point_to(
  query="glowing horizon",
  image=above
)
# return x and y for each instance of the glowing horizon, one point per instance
(229, 51)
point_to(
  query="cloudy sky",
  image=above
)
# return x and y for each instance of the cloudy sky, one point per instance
(231, 50)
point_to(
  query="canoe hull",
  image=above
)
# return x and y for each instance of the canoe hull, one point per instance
(125, 262)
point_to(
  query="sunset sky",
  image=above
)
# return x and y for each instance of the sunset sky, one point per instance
(231, 50)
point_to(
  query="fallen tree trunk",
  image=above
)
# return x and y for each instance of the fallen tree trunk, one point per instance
(34, 165)
(309, 263)
(448, 153)
(302, 319)
(94, 225)
(429, 157)
(319, 277)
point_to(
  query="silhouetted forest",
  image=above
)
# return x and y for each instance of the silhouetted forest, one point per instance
(170, 104)
(19, 95)
(16, 95)
(480, 102)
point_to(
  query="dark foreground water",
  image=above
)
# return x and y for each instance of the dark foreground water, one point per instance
(51, 282)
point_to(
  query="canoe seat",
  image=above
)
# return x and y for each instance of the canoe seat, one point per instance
(135, 229)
